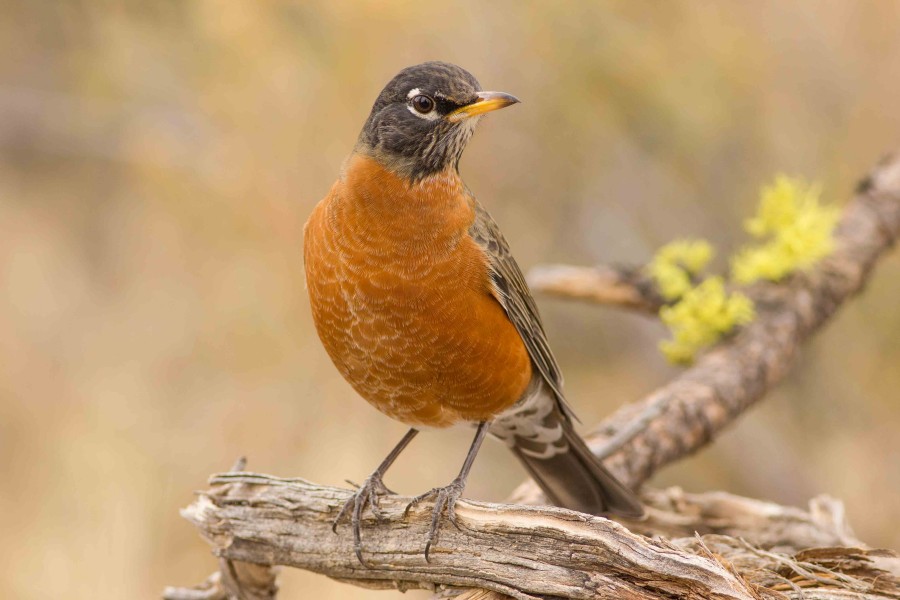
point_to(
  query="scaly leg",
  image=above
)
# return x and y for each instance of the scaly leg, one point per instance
(368, 493)
(446, 497)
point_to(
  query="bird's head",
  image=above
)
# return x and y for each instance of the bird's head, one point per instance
(423, 118)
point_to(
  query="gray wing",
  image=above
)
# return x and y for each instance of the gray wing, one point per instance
(513, 295)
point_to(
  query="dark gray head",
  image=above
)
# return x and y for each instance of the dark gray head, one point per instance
(423, 118)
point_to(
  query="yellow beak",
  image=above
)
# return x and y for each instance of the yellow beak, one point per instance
(487, 101)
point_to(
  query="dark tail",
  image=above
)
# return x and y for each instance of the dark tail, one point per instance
(563, 466)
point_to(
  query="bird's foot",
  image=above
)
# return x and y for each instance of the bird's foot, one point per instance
(444, 497)
(368, 493)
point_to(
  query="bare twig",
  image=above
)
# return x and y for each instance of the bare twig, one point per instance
(616, 286)
(234, 579)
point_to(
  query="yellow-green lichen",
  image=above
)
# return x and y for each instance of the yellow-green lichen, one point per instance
(675, 264)
(795, 228)
(793, 231)
(702, 315)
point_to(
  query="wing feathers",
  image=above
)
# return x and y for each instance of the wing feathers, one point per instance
(512, 293)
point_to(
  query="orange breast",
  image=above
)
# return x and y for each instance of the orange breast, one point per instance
(401, 299)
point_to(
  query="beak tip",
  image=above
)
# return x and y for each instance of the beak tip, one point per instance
(486, 102)
(498, 98)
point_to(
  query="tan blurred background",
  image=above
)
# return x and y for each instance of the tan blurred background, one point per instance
(158, 160)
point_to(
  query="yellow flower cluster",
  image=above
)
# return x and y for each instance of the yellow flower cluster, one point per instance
(676, 263)
(794, 230)
(797, 230)
(703, 315)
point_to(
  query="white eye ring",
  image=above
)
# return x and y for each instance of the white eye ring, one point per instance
(422, 103)
(414, 94)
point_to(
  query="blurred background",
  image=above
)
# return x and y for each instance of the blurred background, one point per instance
(158, 161)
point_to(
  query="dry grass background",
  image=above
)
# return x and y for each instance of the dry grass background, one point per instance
(158, 160)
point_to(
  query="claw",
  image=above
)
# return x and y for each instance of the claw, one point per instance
(368, 493)
(373, 488)
(444, 498)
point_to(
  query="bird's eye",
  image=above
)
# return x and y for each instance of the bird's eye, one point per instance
(423, 104)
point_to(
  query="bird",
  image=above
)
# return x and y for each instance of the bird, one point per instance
(422, 308)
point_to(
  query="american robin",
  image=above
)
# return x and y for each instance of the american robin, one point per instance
(423, 309)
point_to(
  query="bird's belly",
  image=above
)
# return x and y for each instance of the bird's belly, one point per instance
(428, 346)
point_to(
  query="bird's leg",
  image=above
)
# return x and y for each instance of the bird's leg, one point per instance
(446, 497)
(368, 493)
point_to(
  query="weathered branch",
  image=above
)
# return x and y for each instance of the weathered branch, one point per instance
(550, 552)
(625, 287)
(525, 552)
(740, 528)
(234, 579)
